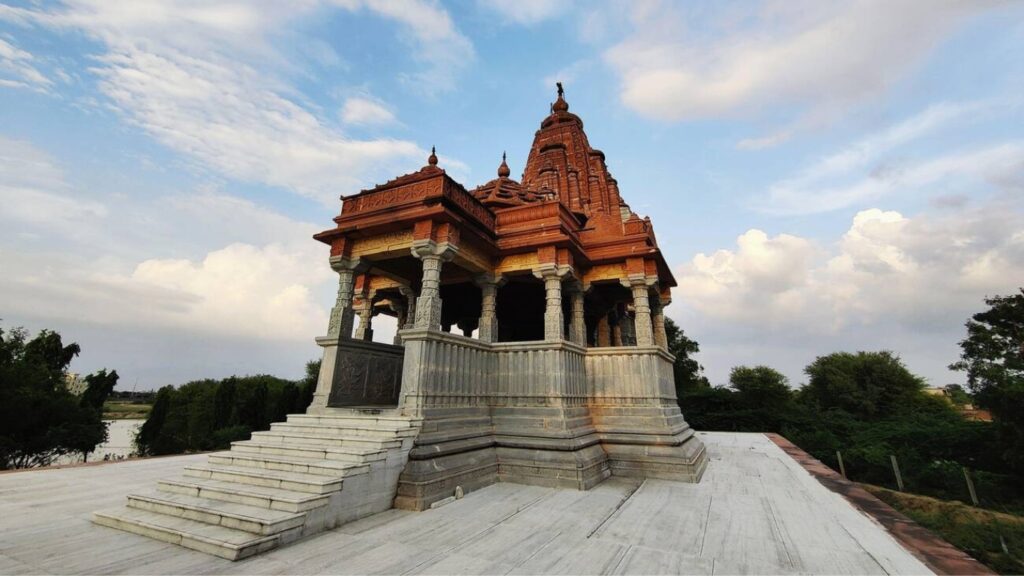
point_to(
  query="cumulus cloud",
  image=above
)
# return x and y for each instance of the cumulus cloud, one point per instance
(889, 281)
(194, 76)
(358, 110)
(693, 64)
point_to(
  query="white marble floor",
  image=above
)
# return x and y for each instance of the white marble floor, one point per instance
(756, 512)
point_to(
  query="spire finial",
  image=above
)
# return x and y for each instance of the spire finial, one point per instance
(503, 171)
(432, 160)
(560, 105)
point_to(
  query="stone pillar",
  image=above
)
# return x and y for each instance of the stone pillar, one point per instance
(577, 325)
(658, 322)
(342, 315)
(410, 307)
(400, 319)
(642, 308)
(428, 305)
(604, 332)
(488, 325)
(617, 331)
(553, 319)
(365, 330)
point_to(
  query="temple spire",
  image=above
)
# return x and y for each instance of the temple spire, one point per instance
(432, 160)
(503, 171)
(560, 105)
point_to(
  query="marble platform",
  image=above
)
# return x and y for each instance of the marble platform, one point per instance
(756, 511)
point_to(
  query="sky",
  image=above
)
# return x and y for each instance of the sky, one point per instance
(822, 176)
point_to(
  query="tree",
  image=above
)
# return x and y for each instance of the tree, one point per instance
(98, 388)
(39, 419)
(993, 358)
(688, 373)
(761, 388)
(866, 385)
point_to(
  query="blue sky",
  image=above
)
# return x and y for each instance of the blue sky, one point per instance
(822, 176)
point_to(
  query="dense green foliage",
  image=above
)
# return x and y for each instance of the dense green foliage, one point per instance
(868, 406)
(993, 357)
(689, 374)
(39, 419)
(210, 414)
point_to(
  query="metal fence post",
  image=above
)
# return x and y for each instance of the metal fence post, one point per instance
(842, 468)
(896, 470)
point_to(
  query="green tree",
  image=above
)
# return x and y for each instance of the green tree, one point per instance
(867, 385)
(688, 373)
(993, 357)
(39, 419)
(761, 387)
(98, 388)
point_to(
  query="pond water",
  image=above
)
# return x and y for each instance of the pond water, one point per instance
(119, 444)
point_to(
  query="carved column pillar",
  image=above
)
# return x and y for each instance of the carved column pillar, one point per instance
(642, 308)
(604, 331)
(577, 324)
(428, 305)
(365, 330)
(658, 322)
(400, 317)
(553, 319)
(410, 307)
(488, 328)
(342, 315)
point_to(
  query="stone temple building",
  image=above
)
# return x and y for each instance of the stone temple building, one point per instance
(531, 349)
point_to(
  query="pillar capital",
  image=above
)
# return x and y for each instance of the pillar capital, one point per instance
(638, 280)
(427, 248)
(490, 279)
(344, 263)
(560, 271)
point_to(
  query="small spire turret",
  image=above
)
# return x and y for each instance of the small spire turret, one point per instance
(503, 171)
(560, 105)
(432, 160)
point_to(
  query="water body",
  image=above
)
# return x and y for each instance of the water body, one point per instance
(119, 444)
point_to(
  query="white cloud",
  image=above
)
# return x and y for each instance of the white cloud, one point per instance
(33, 191)
(890, 281)
(17, 69)
(866, 170)
(196, 78)
(813, 54)
(528, 12)
(358, 110)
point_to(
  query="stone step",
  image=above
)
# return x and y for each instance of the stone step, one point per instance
(319, 466)
(254, 519)
(320, 437)
(342, 430)
(365, 422)
(261, 496)
(313, 484)
(338, 453)
(217, 540)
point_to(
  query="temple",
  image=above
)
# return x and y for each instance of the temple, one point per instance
(531, 348)
(532, 336)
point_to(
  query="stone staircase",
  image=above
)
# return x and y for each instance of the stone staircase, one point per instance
(305, 475)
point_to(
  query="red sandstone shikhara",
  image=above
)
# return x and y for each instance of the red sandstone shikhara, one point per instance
(565, 217)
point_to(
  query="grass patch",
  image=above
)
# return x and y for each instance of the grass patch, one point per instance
(973, 530)
(124, 410)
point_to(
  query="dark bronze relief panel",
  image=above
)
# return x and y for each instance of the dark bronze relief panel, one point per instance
(366, 378)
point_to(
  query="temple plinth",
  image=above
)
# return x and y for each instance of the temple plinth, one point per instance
(531, 324)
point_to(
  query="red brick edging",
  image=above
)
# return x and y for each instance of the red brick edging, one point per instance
(940, 556)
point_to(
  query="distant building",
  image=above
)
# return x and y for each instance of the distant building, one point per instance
(75, 383)
(968, 410)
